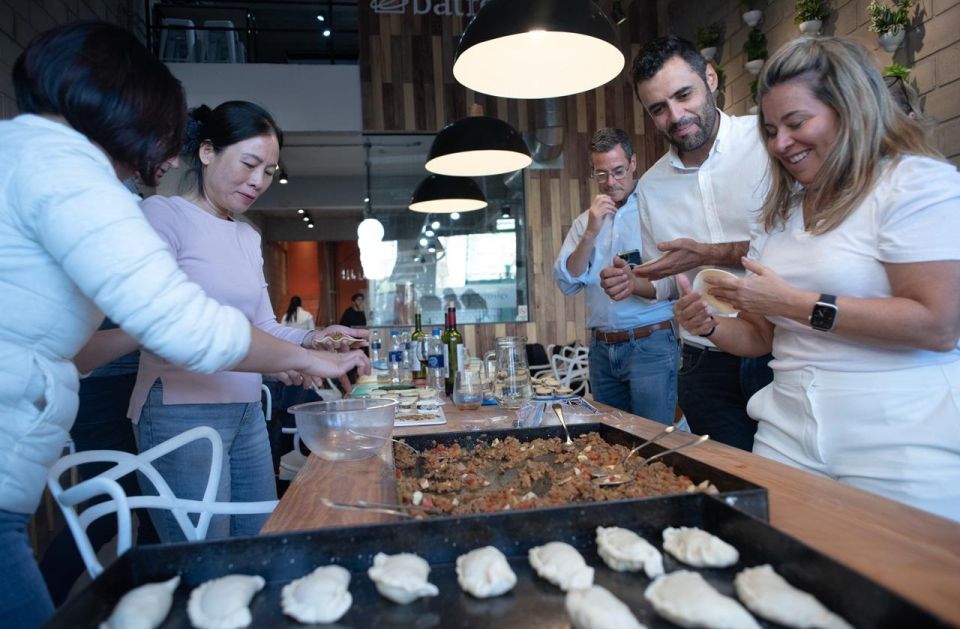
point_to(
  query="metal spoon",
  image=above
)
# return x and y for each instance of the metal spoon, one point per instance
(403, 443)
(374, 507)
(663, 433)
(619, 479)
(558, 409)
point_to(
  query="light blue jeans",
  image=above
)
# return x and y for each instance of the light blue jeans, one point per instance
(638, 376)
(247, 474)
(24, 601)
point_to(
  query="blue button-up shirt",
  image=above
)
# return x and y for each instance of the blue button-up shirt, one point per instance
(620, 233)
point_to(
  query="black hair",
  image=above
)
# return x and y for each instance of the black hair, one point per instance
(355, 295)
(231, 122)
(608, 138)
(295, 303)
(654, 55)
(107, 86)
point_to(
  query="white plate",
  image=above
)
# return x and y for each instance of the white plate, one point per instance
(439, 418)
(719, 308)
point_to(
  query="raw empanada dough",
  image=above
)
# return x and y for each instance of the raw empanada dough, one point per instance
(561, 564)
(321, 596)
(696, 547)
(223, 603)
(623, 550)
(144, 607)
(769, 596)
(484, 572)
(596, 608)
(685, 598)
(402, 578)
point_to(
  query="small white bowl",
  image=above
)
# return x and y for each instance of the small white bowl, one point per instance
(718, 308)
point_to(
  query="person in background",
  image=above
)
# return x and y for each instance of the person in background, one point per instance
(296, 316)
(633, 353)
(855, 284)
(355, 316)
(96, 107)
(698, 204)
(233, 150)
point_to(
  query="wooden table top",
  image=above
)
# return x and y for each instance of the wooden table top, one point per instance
(908, 551)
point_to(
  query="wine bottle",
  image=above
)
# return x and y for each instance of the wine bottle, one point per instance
(418, 350)
(454, 350)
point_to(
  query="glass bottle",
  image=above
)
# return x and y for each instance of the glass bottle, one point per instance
(418, 350)
(454, 350)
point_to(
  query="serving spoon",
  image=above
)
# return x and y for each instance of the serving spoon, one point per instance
(660, 435)
(375, 507)
(619, 479)
(558, 409)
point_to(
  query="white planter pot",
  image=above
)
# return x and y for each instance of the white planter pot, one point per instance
(811, 27)
(753, 110)
(752, 18)
(709, 53)
(891, 41)
(753, 67)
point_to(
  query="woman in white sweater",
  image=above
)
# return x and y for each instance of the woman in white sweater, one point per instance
(97, 108)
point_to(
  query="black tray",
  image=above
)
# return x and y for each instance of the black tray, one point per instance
(533, 604)
(734, 490)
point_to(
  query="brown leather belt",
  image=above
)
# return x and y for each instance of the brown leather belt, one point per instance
(636, 333)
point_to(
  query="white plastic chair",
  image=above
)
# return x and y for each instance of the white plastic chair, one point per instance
(572, 368)
(221, 44)
(178, 40)
(121, 504)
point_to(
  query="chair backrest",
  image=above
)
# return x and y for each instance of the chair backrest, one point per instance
(173, 33)
(571, 366)
(220, 41)
(71, 499)
(537, 359)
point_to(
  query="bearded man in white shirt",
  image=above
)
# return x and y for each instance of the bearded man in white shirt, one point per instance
(633, 353)
(698, 205)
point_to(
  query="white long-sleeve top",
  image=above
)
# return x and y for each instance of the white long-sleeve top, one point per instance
(73, 246)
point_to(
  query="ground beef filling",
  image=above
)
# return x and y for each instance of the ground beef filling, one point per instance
(512, 474)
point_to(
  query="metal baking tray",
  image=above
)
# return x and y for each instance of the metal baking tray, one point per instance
(533, 604)
(737, 492)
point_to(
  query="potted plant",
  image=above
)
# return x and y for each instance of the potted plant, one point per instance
(755, 48)
(720, 94)
(708, 38)
(751, 15)
(897, 70)
(810, 15)
(890, 22)
(753, 96)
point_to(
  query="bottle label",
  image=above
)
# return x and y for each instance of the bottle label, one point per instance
(396, 357)
(375, 345)
(435, 361)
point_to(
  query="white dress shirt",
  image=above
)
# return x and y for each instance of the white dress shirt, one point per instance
(718, 201)
(620, 233)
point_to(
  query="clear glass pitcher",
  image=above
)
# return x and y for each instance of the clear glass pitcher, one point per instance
(511, 376)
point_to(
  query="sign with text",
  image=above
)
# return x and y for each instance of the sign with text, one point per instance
(466, 8)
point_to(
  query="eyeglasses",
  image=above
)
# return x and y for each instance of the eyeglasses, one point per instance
(618, 173)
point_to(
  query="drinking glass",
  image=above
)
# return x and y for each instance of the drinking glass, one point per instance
(467, 390)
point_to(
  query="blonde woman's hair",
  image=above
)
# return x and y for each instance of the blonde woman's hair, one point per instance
(839, 73)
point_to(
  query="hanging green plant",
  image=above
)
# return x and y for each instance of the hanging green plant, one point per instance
(902, 72)
(755, 47)
(754, 88)
(809, 10)
(709, 36)
(885, 18)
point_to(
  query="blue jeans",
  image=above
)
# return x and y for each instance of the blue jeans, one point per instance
(713, 390)
(638, 376)
(247, 465)
(24, 601)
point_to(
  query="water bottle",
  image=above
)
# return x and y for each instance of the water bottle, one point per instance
(436, 374)
(405, 343)
(396, 358)
(375, 346)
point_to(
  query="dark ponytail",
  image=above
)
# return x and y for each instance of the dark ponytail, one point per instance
(231, 122)
(292, 309)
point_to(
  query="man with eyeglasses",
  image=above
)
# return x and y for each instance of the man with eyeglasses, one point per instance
(633, 353)
(698, 204)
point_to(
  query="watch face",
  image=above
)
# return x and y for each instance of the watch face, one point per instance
(824, 316)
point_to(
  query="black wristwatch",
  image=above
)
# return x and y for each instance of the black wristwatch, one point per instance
(824, 315)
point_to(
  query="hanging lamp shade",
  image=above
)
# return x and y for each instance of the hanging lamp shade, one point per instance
(538, 49)
(477, 146)
(440, 194)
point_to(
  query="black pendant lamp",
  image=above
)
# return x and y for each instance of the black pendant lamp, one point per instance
(477, 146)
(439, 194)
(538, 49)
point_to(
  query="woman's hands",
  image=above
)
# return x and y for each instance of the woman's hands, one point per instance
(337, 338)
(764, 293)
(691, 311)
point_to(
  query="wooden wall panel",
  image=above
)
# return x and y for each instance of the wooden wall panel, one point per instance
(407, 85)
